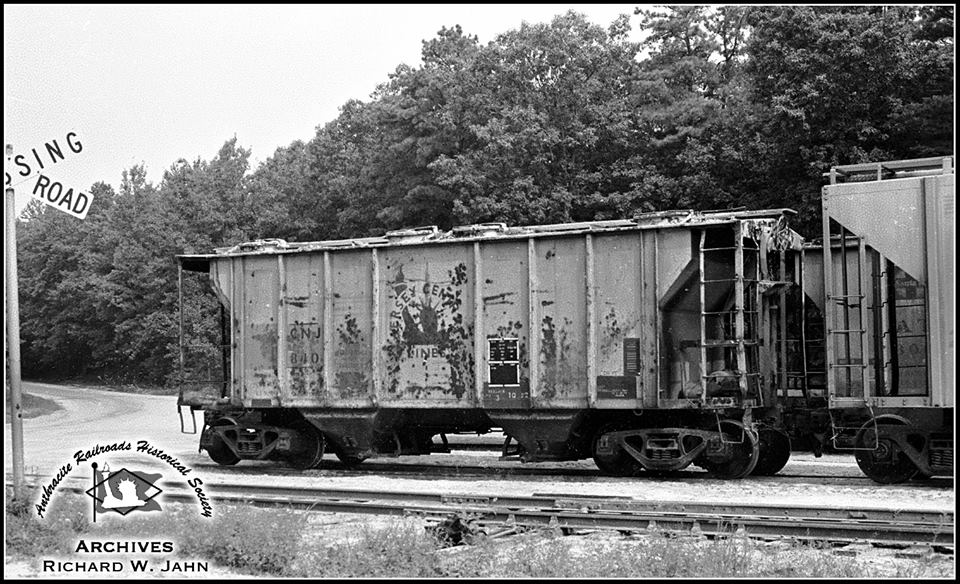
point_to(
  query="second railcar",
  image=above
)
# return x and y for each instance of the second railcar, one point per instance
(885, 284)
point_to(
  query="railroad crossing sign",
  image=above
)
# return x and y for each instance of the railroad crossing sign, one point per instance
(51, 192)
(65, 199)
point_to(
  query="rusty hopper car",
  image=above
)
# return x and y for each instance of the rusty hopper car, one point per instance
(652, 343)
(888, 302)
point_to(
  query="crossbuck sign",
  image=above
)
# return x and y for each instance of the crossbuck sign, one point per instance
(51, 192)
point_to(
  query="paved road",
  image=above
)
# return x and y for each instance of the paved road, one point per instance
(90, 417)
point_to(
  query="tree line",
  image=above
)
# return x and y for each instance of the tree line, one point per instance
(716, 108)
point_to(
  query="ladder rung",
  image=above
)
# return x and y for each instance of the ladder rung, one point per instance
(846, 365)
(847, 331)
(728, 343)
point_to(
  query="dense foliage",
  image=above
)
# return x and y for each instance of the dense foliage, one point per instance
(716, 108)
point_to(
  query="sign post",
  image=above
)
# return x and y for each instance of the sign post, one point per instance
(12, 293)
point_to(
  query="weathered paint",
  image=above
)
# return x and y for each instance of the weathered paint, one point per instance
(561, 302)
(352, 290)
(428, 351)
(396, 325)
(303, 304)
(505, 294)
(260, 289)
(620, 277)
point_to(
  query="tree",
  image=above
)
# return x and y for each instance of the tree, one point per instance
(839, 85)
(60, 259)
(283, 197)
(549, 122)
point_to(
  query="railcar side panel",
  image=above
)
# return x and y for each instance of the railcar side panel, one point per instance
(506, 331)
(940, 193)
(624, 349)
(259, 290)
(303, 380)
(349, 338)
(427, 318)
(559, 303)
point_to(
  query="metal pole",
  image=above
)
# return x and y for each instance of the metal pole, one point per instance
(13, 335)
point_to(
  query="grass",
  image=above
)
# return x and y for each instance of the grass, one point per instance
(248, 540)
(281, 542)
(117, 384)
(121, 387)
(34, 405)
(399, 549)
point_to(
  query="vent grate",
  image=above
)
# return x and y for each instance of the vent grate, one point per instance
(631, 356)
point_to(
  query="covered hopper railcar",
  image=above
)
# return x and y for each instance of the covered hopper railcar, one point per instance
(885, 287)
(652, 343)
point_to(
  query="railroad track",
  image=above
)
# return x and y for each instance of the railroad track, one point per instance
(418, 470)
(833, 524)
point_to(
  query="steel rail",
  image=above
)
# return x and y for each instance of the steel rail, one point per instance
(799, 528)
(419, 469)
(863, 524)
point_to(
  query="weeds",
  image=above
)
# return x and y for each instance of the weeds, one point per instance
(400, 549)
(28, 536)
(259, 541)
(543, 554)
(34, 406)
(280, 542)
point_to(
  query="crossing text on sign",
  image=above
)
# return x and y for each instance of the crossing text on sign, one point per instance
(50, 151)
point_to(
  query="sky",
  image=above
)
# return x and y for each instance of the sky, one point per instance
(120, 85)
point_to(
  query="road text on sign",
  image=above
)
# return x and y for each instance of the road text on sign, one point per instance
(60, 197)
